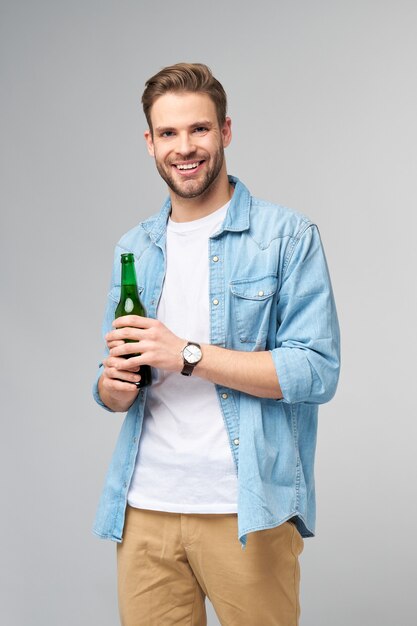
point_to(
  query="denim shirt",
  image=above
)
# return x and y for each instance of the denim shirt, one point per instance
(269, 289)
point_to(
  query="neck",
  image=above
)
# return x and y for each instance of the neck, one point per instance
(189, 209)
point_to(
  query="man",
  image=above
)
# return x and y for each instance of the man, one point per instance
(242, 335)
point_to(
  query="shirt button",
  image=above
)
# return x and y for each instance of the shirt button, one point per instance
(134, 439)
(215, 259)
(125, 484)
(215, 302)
(225, 396)
(236, 442)
(260, 293)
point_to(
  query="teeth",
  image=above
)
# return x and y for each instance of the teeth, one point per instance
(189, 166)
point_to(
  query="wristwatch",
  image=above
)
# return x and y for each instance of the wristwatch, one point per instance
(191, 355)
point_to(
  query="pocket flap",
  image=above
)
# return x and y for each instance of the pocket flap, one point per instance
(255, 288)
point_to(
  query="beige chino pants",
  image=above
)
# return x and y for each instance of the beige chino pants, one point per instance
(168, 563)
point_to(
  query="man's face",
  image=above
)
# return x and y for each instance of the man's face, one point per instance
(187, 142)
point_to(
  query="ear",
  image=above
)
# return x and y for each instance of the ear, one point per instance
(149, 142)
(226, 132)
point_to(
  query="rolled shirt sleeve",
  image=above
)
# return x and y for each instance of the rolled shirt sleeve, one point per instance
(307, 356)
(107, 324)
(96, 394)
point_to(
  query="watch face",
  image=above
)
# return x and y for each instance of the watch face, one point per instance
(192, 353)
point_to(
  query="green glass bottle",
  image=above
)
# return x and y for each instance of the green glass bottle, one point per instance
(130, 304)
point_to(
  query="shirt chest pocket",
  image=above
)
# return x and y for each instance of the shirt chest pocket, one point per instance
(252, 300)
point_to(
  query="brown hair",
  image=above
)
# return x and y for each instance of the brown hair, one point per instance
(183, 77)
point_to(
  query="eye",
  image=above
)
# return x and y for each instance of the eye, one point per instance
(200, 129)
(167, 133)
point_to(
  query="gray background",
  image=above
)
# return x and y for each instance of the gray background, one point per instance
(323, 98)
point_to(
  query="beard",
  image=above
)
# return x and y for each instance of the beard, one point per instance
(193, 188)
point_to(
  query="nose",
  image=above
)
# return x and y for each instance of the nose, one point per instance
(185, 145)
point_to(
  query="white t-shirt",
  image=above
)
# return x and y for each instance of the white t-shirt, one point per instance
(184, 463)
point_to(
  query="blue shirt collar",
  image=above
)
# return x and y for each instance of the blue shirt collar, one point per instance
(237, 217)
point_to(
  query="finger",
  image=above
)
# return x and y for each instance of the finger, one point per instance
(127, 332)
(126, 377)
(114, 343)
(120, 335)
(123, 375)
(119, 385)
(136, 321)
(121, 364)
(127, 349)
(132, 364)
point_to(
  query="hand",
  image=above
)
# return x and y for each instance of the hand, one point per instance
(152, 340)
(117, 386)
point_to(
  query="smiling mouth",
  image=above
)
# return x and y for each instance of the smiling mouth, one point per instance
(189, 167)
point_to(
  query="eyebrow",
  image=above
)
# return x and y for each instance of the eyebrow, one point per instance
(163, 129)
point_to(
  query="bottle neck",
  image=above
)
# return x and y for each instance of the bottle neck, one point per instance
(128, 274)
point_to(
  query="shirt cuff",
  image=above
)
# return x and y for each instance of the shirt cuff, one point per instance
(96, 394)
(294, 374)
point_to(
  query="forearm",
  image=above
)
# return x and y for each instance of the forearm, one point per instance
(251, 372)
